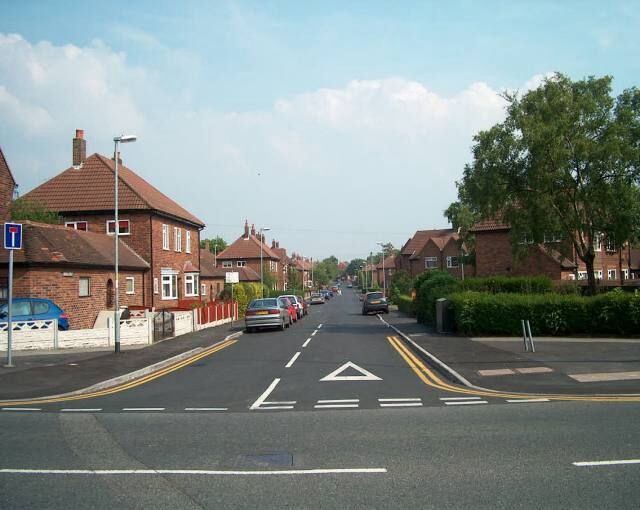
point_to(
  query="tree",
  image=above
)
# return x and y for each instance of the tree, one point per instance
(216, 245)
(30, 210)
(566, 161)
(294, 279)
(354, 267)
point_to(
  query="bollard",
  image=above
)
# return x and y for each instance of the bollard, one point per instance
(533, 349)
(524, 337)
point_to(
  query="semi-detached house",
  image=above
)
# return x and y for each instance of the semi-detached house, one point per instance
(155, 227)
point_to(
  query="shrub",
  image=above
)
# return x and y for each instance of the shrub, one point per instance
(400, 284)
(509, 284)
(549, 314)
(405, 305)
(433, 285)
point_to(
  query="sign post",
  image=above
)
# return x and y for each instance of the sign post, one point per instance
(12, 241)
(232, 277)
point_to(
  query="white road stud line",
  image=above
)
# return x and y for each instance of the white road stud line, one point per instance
(319, 326)
(524, 400)
(400, 400)
(459, 398)
(96, 410)
(402, 404)
(143, 409)
(307, 342)
(21, 409)
(205, 472)
(466, 402)
(314, 333)
(292, 360)
(206, 408)
(334, 406)
(343, 401)
(595, 463)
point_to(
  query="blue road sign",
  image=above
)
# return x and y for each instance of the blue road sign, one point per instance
(12, 236)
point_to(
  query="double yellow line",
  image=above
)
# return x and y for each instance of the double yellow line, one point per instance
(430, 378)
(128, 385)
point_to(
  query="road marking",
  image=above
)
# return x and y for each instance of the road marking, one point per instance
(366, 375)
(606, 462)
(606, 376)
(399, 400)
(496, 371)
(466, 403)
(535, 370)
(97, 410)
(190, 472)
(334, 406)
(206, 409)
(292, 360)
(307, 342)
(343, 401)
(460, 398)
(319, 326)
(518, 400)
(262, 400)
(314, 333)
(143, 409)
(402, 404)
(21, 409)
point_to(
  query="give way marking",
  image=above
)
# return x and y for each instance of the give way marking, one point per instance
(365, 375)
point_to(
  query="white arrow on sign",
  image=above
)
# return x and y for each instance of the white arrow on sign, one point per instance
(366, 375)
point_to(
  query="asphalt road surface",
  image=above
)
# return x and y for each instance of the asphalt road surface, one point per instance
(327, 414)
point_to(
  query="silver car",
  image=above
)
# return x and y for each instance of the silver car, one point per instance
(295, 301)
(266, 312)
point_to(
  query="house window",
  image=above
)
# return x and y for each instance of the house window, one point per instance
(131, 289)
(191, 284)
(241, 263)
(611, 244)
(430, 262)
(452, 262)
(582, 275)
(625, 274)
(612, 274)
(155, 286)
(525, 238)
(85, 286)
(177, 238)
(598, 274)
(124, 229)
(170, 286)
(227, 263)
(203, 289)
(597, 242)
(188, 241)
(273, 265)
(165, 237)
(552, 238)
(77, 225)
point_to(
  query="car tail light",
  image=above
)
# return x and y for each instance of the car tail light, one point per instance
(274, 311)
(64, 315)
(250, 312)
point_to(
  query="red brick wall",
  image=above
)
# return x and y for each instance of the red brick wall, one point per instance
(63, 290)
(6, 191)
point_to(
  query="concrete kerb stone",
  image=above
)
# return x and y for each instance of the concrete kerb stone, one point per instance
(116, 381)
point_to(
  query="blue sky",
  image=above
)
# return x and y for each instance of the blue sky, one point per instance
(337, 124)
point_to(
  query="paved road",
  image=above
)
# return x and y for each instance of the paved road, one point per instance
(254, 425)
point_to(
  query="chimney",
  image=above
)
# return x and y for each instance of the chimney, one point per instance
(246, 229)
(253, 230)
(119, 158)
(79, 153)
(278, 244)
(273, 243)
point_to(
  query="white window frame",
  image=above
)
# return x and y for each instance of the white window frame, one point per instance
(111, 227)
(227, 263)
(193, 280)
(597, 242)
(552, 238)
(156, 288)
(582, 275)
(187, 241)
(610, 245)
(74, 225)
(132, 280)
(450, 262)
(165, 237)
(625, 273)
(241, 263)
(598, 274)
(203, 289)
(172, 279)
(612, 274)
(427, 260)
(177, 233)
(80, 290)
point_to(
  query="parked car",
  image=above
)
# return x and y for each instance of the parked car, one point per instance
(316, 298)
(293, 311)
(297, 303)
(374, 302)
(327, 294)
(305, 305)
(34, 309)
(266, 312)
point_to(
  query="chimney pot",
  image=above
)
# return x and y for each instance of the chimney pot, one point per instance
(246, 229)
(79, 149)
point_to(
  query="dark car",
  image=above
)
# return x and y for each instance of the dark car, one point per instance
(374, 302)
(34, 309)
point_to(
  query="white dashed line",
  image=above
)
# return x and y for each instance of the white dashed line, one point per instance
(459, 398)
(314, 333)
(143, 409)
(517, 401)
(319, 326)
(466, 402)
(80, 410)
(338, 471)
(292, 360)
(334, 406)
(595, 463)
(21, 409)
(343, 401)
(206, 409)
(399, 400)
(402, 404)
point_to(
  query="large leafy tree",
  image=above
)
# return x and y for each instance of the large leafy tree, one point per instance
(566, 161)
(23, 209)
(216, 245)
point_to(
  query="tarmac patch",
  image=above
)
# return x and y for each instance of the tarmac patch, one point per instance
(508, 371)
(605, 376)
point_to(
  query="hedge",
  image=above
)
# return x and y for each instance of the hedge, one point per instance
(614, 313)
(509, 284)
(432, 286)
(405, 304)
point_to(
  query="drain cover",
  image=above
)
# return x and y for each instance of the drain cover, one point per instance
(265, 460)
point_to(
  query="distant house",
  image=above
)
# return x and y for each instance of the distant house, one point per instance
(385, 271)
(211, 277)
(283, 275)
(161, 231)
(75, 269)
(303, 267)
(432, 249)
(243, 255)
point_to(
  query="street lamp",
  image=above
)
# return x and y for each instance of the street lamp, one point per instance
(263, 229)
(116, 232)
(384, 279)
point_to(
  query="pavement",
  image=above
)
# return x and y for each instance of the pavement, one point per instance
(584, 366)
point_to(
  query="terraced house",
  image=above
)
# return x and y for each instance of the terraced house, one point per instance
(432, 249)
(164, 234)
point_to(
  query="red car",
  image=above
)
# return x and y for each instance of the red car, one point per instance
(293, 312)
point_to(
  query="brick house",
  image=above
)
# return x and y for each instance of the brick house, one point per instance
(244, 252)
(494, 256)
(7, 188)
(383, 276)
(158, 229)
(303, 266)
(431, 249)
(285, 261)
(75, 269)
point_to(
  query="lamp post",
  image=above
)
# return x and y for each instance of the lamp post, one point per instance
(384, 278)
(116, 232)
(263, 229)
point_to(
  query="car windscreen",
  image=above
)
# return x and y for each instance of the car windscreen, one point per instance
(263, 303)
(374, 295)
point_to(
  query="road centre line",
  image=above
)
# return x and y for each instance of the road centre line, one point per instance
(597, 463)
(75, 410)
(334, 406)
(292, 360)
(206, 408)
(319, 326)
(460, 398)
(402, 404)
(344, 401)
(143, 409)
(466, 403)
(524, 400)
(314, 333)
(21, 409)
(307, 342)
(190, 472)
(399, 399)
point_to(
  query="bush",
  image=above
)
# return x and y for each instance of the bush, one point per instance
(549, 314)
(432, 286)
(400, 284)
(405, 304)
(509, 284)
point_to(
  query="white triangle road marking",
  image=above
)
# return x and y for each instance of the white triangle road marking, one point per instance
(366, 375)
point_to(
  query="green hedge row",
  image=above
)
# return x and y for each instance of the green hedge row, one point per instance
(509, 284)
(614, 313)
(405, 305)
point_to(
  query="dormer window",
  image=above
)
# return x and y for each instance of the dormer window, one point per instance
(124, 230)
(77, 225)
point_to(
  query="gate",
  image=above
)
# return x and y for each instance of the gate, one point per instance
(163, 325)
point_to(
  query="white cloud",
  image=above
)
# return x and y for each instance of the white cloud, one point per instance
(325, 158)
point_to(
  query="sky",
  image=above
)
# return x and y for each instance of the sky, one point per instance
(336, 124)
